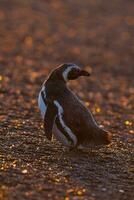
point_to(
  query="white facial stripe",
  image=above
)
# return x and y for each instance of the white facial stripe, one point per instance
(66, 128)
(66, 72)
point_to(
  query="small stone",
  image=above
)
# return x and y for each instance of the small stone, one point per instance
(1, 78)
(128, 123)
(24, 171)
(66, 198)
(121, 191)
(98, 110)
(104, 189)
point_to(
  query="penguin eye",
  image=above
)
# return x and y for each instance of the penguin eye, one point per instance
(73, 74)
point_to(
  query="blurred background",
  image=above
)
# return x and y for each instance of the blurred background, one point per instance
(35, 37)
(43, 33)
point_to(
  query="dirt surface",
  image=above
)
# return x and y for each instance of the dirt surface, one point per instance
(36, 36)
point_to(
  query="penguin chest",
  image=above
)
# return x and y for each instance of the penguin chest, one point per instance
(42, 105)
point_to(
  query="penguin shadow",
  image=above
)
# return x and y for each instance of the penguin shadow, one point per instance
(87, 154)
(87, 164)
(86, 158)
(76, 153)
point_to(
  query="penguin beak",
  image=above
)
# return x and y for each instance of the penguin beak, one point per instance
(84, 73)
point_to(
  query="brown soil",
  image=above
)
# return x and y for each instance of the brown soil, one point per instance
(36, 36)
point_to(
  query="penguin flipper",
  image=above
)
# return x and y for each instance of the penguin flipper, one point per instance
(49, 118)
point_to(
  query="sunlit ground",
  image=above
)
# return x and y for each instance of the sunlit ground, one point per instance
(36, 36)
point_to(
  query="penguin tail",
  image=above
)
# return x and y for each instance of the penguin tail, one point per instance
(102, 137)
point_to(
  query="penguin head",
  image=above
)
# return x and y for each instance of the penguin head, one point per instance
(72, 71)
(68, 71)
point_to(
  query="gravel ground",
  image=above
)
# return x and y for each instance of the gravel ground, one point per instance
(36, 36)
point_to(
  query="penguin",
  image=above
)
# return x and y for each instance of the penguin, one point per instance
(65, 115)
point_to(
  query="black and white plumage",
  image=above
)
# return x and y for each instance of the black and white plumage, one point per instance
(64, 114)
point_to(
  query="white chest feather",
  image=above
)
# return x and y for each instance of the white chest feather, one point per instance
(42, 105)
